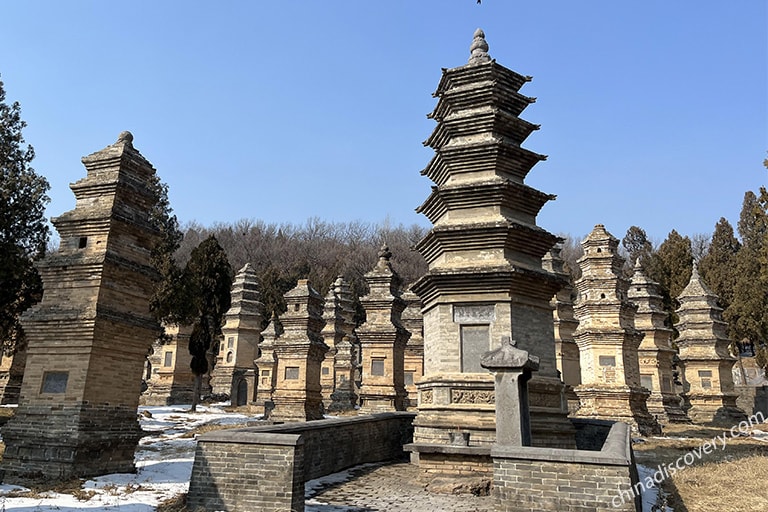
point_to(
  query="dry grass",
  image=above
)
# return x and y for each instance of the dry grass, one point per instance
(211, 427)
(723, 480)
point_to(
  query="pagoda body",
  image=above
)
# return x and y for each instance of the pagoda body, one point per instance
(338, 369)
(299, 352)
(266, 366)
(607, 338)
(708, 389)
(566, 350)
(90, 334)
(382, 340)
(655, 353)
(234, 374)
(485, 279)
(413, 359)
(170, 380)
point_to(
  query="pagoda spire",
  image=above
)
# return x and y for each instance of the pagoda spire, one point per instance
(479, 49)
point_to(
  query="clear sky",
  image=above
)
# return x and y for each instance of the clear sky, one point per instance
(652, 112)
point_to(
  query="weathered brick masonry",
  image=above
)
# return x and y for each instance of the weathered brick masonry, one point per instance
(530, 478)
(264, 468)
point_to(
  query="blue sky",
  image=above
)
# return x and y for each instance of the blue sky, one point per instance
(652, 113)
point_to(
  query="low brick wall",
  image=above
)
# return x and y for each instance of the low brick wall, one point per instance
(264, 468)
(550, 479)
(753, 399)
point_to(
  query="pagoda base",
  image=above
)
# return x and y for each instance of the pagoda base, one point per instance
(62, 441)
(295, 407)
(373, 401)
(627, 404)
(717, 409)
(465, 402)
(666, 408)
(343, 400)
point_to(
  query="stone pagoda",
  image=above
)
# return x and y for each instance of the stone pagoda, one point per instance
(90, 334)
(607, 338)
(485, 279)
(655, 353)
(171, 380)
(266, 365)
(413, 358)
(299, 352)
(566, 350)
(382, 340)
(338, 369)
(708, 388)
(234, 374)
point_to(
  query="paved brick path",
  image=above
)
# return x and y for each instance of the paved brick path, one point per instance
(391, 488)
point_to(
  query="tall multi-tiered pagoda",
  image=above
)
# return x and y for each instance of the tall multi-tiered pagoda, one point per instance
(234, 373)
(338, 369)
(708, 388)
(655, 353)
(485, 279)
(607, 338)
(90, 334)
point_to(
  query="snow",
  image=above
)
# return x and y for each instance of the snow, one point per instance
(163, 463)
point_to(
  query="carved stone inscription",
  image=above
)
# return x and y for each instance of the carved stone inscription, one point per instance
(471, 314)
(472, 396)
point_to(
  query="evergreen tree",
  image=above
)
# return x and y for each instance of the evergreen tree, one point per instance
(717, 265)
(208, 282)
(637, 245)
(23, 228)
(747, 314)
(671, 266)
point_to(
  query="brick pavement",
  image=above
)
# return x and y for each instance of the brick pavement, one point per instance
(392, 488)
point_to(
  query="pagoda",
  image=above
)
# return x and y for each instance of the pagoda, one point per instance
(338, 369)
(234, 374)
(565, 324)
(90, 334)
(485, 279)
(299, 352)
(708, 389)
(266, 365)
(382, 340)
(607, 338)
(413, 358)
(655, 354)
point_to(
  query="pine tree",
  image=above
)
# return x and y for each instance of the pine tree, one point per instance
(746, 314)
(23, 228)
(717, 266)
(208, 281)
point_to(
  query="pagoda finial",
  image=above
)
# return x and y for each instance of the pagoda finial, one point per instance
(479, 49)
(125, 137)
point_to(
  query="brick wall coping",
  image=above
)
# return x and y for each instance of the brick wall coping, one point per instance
(616, 451)
(289, 434)
(447, 448)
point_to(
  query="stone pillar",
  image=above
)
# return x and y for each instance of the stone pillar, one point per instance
(512, 369)
(266, 366)
(655, 353)
(234, 373)
(382, 340)
(299, 351)
(566, 350)
(708, 389)
(338, 368)
(607, 338)
(90, 334)
(413, 359)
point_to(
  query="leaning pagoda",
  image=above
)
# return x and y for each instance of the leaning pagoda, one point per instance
(485, 279)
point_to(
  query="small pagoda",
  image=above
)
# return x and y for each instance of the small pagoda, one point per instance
(607, 338)
(338, 369)
(234, 374)
(299, 352)
(89, 336)
(266, 365)
(485, 279)
(708, 389)
(565, 324)
(655, 354)
(382, 340)
(413, 359)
